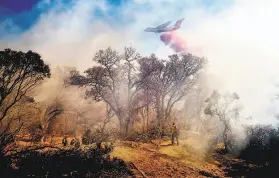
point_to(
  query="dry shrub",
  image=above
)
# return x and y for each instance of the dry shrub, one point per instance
(97, 136)
(263, 145)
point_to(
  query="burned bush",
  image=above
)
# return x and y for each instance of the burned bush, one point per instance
(263, 145)
(92, 162)
(90, 137)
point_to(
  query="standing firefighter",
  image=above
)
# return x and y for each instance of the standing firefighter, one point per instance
(174, 134)
(64, 141)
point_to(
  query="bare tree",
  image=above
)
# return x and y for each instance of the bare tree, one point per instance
(51, 112)
(117, 81)
(194, 105)
(130, 57)
(46, 114)
(222, 106)
(109, 115)
(170, 80)
(144, 98)
(114, 81)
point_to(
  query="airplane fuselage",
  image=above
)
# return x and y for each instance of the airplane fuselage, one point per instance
(163, 30)
(155, 30)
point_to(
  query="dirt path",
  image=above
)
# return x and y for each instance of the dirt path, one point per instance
(162, 162)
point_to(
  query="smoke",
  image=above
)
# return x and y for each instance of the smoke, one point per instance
(239, 38)
(72, 100)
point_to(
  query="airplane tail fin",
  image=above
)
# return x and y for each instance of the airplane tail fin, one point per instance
(178, 23)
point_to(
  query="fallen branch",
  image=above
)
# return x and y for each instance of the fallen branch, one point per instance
(142, 173)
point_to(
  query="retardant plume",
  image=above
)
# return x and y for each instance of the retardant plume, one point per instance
(174, 41)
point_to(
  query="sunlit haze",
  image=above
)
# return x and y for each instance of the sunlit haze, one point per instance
(238, 37)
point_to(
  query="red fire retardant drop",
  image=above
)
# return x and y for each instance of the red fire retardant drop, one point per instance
(174, 41)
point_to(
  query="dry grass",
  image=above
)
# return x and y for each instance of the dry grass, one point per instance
(168, 160)
(187, 159)
(186, 153)
(125, 153)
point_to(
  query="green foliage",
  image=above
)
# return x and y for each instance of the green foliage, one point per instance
(20, 72)
(29, 63)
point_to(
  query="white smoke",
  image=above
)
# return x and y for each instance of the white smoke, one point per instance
(239, 38)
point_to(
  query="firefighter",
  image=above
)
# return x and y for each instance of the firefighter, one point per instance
(174, 134)
(98, 138)
(65, 141)
(73, 142)
(77, 143)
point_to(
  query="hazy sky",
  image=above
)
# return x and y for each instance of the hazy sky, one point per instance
(239, 37)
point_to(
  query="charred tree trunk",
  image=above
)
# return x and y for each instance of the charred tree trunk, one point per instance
(142, 112)
(226, 137)
(162, 108)
(147, 116)
(158, 110)
(128, 121)
(121, 123)
(129, 99)
(107, 119)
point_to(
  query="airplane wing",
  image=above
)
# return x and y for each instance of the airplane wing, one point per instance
(150, 30)
(164, 25)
